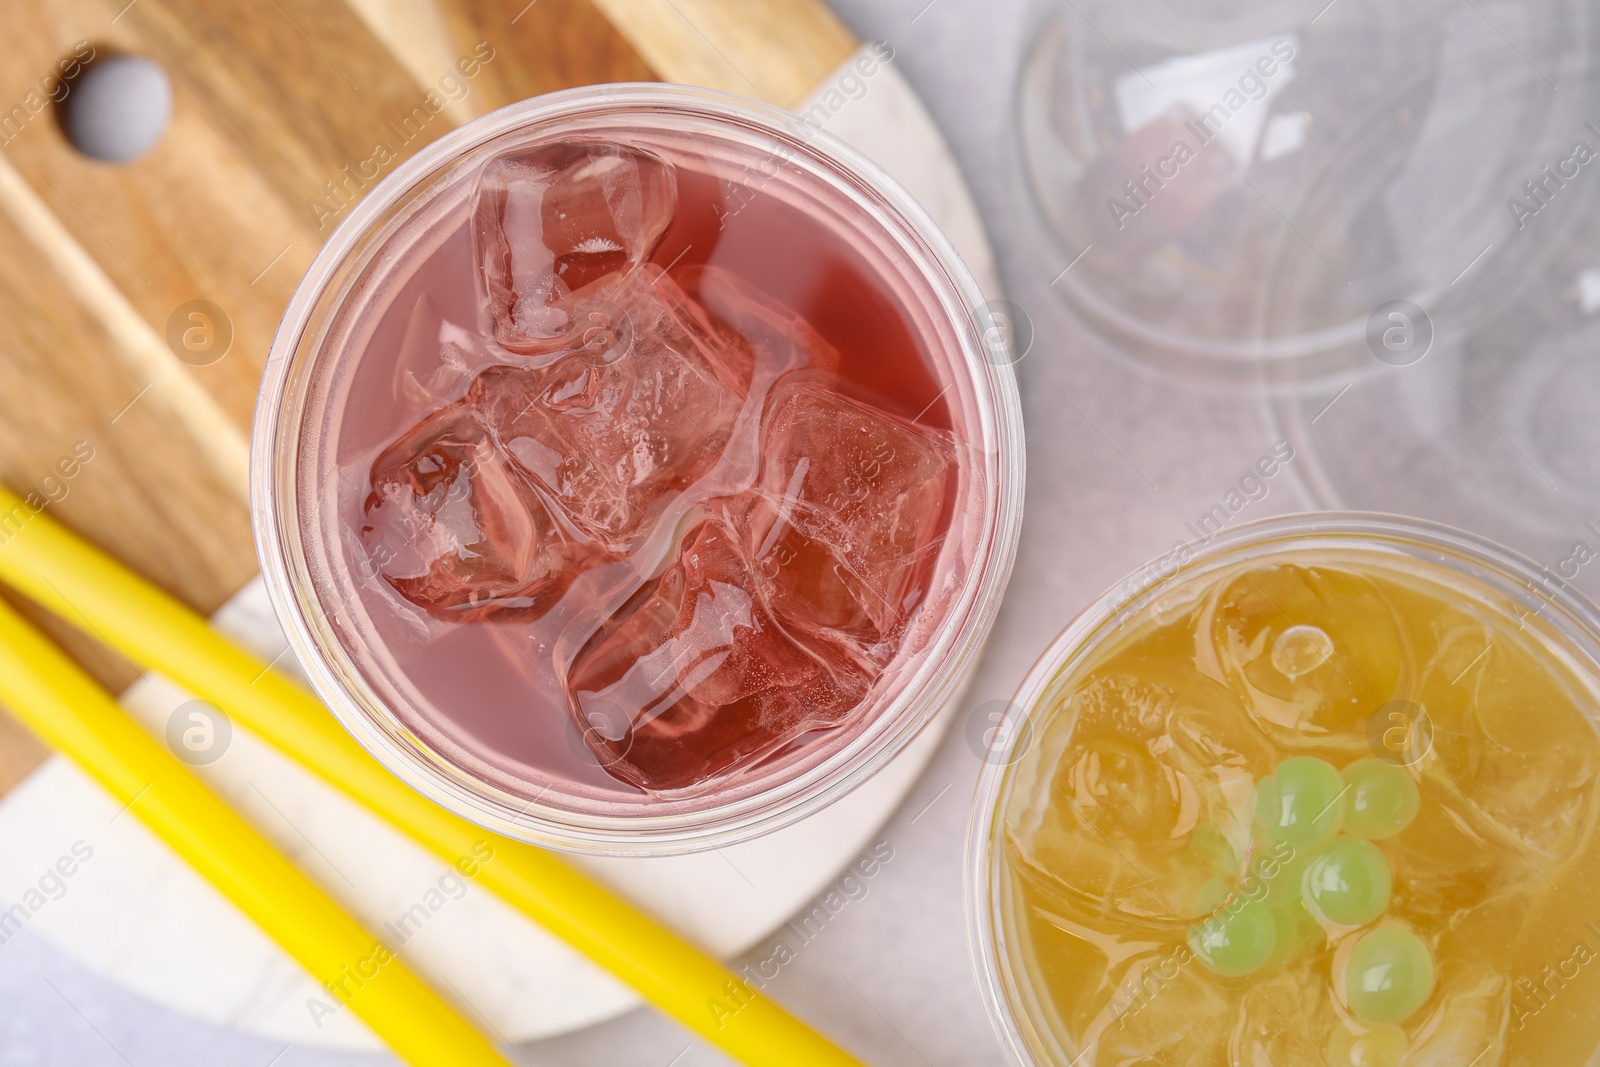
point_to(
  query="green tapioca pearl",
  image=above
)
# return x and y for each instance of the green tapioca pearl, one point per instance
(1208, 843)
(1279, 866)
(1295, 929)
(1301, 803)
(1212, 896)
(1388, 976)
(1382, 800)
(1237, 941)
(1266, 802)
(1348, 882)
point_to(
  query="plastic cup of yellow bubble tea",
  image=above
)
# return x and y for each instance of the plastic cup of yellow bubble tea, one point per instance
(1322, 791)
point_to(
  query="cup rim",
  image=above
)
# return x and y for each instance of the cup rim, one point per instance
(940, 671)
(1504, 570)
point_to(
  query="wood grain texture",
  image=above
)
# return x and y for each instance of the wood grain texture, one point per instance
(774, 50)
(20, 753)
(541, 47)
(415, 32)
(147, 355)
(77, 432)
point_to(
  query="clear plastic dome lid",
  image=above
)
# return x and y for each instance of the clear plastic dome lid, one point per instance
(1239, 188)
(1385, 217)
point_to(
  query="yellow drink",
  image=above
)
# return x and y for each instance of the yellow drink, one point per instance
(1153, 898)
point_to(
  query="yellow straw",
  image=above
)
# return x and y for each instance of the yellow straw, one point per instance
(57, 701)
(84, 586)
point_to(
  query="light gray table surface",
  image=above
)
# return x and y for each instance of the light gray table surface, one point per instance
(1118, 462)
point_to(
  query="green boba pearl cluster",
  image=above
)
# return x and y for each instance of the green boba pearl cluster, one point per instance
(1388, 976)
(1348, 883)
(1323, 869)
(1301, 804)
(1382, 800)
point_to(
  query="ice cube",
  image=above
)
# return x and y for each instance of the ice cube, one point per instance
(457, 530)
(1286, 1019)
(643, 407)
(1470, 1023)
(1332, 629)
(1455, 858)
(422, 370)
(1113, 816)
(1506, 740)
(707, 679)
(781, 338)
(554, 219)
(1166, 1011)
(847, 511)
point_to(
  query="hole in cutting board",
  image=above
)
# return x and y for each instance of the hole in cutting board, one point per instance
(117, 107)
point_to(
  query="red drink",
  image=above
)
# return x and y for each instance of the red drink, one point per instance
(651, 475)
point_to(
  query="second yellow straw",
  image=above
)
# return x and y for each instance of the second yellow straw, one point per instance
(54, 698)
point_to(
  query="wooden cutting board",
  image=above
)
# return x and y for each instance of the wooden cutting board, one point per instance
(272, 101)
